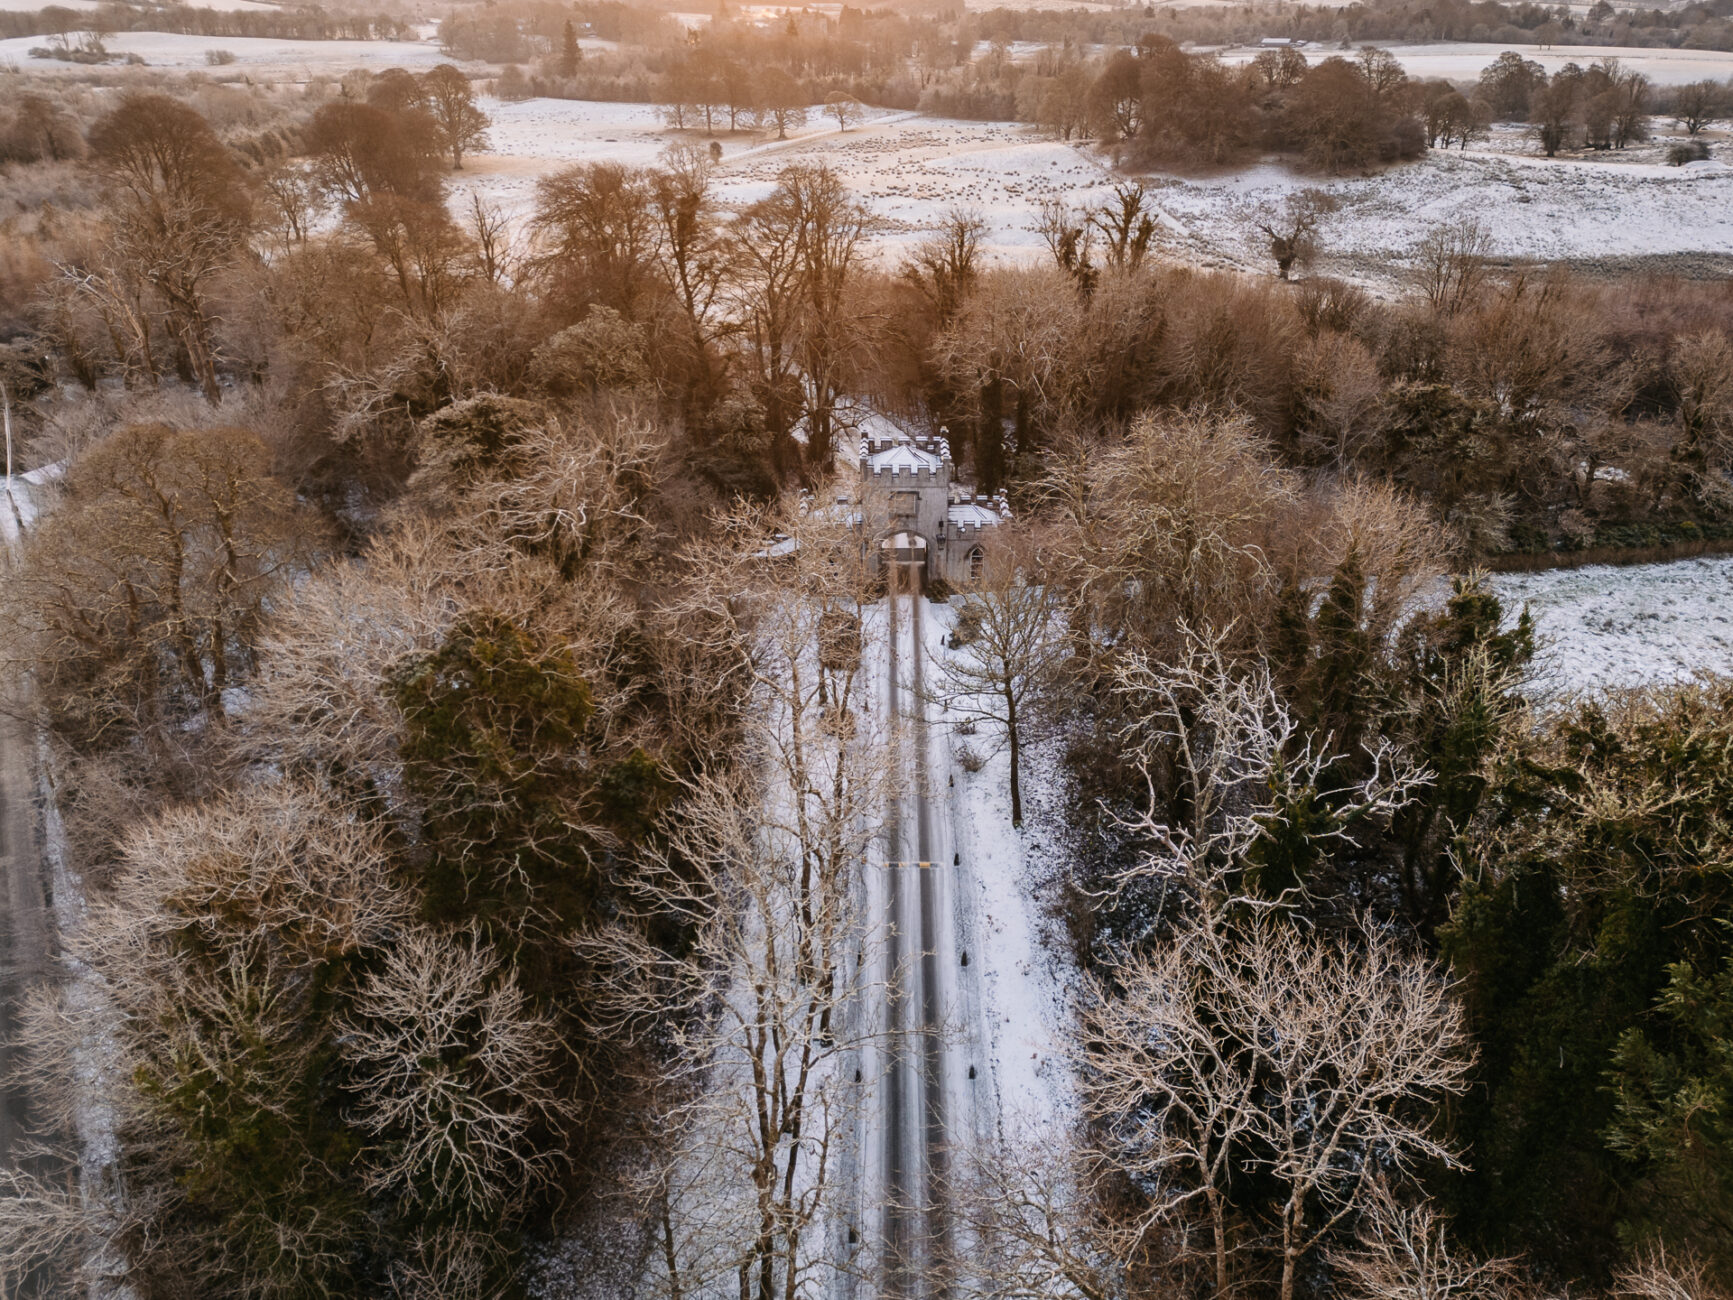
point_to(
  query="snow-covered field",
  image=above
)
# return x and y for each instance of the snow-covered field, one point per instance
(258, 55)
(1602, 626)
(1535, 207)
(910, 169)
(227, 6)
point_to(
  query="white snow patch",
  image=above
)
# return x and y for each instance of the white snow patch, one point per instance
(290, 60)
(1533, 207)
(1604, 626)
(1024, 982)
(911, 170)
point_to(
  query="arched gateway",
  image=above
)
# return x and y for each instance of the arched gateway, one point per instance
(904, 548)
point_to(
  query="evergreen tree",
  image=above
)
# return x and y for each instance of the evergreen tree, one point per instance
(1592, 942)
(571, 53)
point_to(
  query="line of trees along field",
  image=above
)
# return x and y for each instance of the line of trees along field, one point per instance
(434, 729)
(302, 24)
(517, 30)
(1097, 76)
(1154, 103)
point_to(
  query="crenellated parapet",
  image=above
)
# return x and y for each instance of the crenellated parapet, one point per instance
(908, 489)
(926, 459)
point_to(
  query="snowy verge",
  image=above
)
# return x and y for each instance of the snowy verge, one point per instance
(1024, 982)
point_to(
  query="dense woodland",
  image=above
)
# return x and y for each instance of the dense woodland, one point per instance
(421, 698)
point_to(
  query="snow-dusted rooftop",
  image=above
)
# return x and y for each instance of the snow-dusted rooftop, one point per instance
(903, 458)
(974, 514)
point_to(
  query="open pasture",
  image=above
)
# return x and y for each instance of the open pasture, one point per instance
(912, 169)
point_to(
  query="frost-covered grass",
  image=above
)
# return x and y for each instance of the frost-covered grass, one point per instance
(910, 170)
(261, 56)
(1602, 626)
(1534, 208)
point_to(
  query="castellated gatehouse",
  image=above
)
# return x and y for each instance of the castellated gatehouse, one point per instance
(914, 511)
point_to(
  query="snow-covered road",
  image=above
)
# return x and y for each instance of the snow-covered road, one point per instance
(974, 1002)
(923, 1112)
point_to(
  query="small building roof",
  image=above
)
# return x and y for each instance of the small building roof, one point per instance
(971, 515)
(904, 458)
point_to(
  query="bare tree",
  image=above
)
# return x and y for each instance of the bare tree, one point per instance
(46, 1230)
(766, 872)
(1175, 525)
(1045, 1212)
(760, 1010)
(450, 101)
(1699, 105)
(696, 258)
(211, 965)
(597, 235)
(1293, 231)
(945, 265)
(1630, 108)
(768, 308)
(495, 249)
(1704, 451)
(763, 870)
(453, 1078)
(739, 90)
(1239, 757)
(361, 151)
(1010, 646)
(120, 301)
(1064, 106)
(1263, 1045)
(294, 195)
(1177, 1095)
(146, 586)
(180, 213)
(1656, 1275)
(800, 252)
(779, 102)
(420, 244)
(1341, 392)
(1361, 1046)
(844, 108)
(1553, 110)
(1450, 264)
(1069, 238)
(577, 492)
(1127, 229)
(1015, 348)
(1404, 1252)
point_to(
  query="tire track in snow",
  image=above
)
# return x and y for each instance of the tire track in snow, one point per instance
(917, 1225)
